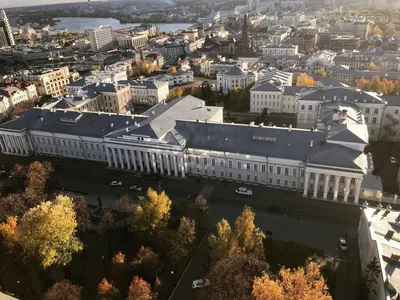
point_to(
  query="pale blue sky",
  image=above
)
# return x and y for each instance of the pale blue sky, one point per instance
(15, 3)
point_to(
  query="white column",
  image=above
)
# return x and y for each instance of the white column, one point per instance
(19, 144)
(16, 148)
(336, 188)
(357, 191)
(305, 192)
(146, 156)
(140, 161)
(127, 158)
(2, 145)
(346, 189)
(175, 166)
(160, 159)
(167, 158)
(8, 143)
(153, 161)
(316, 186)
(326, 186)
(25, 144)
(121, 159)
(134, 160)
(108, 157)
(30, 144)
(182, 166)
(115, 157)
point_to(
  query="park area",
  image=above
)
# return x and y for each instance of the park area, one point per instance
(57, 245)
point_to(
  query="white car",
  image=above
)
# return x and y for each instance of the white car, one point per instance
(393, 160)
(135, 188)
(200, 283)
(116, 183)
(342, 244)
(244, 191)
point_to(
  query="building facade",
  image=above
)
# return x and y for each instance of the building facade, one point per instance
(132, 42)
(235, 78)
(101, 38)
(280, 50)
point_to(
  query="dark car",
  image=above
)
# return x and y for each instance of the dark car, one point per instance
(59, 167)
(154, 177)
(276, 209)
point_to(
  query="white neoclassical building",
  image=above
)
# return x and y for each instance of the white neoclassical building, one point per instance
(235, 77)
(185, 137)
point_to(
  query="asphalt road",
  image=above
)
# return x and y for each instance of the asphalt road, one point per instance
(314, 223)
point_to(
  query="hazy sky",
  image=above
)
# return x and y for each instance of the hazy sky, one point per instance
(15, 3)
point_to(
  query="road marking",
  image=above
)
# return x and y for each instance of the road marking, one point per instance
(189, 263)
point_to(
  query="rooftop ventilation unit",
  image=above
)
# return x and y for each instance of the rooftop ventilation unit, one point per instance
(264, 138)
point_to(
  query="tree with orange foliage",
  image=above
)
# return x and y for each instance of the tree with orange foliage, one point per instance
(172, 70)
(363, 84)
(8, 230)
(37, 176)
(64, 290)
(106, 290)
(378, 31)
(145, 68)
(301, 283)
(304, 80)
(139, 290)
(21, 107)
(119, 258)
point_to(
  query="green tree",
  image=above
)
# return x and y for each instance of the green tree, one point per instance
(320, 72)
(48, 230)
(152, 212)
(370, 278)
(64, 290)
(199, 210)
(147, 263)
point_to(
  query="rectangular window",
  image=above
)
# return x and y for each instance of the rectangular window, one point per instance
(74, 144)
(221, 163)
(375, 111)
(367, 110)
(97, 146)
(48, 141)
(372, 131)
(278, 170)
(91, 145)
(286, 171)
(286, 182)
(312, 175)
(303, 107)
(353, 181)
(197, 161)
(248, 177)
(239, 165)
(396, 112)
(270, 180)
(197, 170)
(69, 143)
(278, 181)
(189, 159)
(222, 174)
(59, 142)
(263, 168)
(294, 172)
(248, 166)
(293, 183)
(64, 142)
(230, 164)
(342, 179)
(255, 178)
(366, 119)
(213, 172)
(205, 171)
(374, 120)
(255, 167)
(310, 107)
(213, 161)
(230, 174)
(271, 169)
(239, 176)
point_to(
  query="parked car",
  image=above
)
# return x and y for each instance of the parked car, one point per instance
(244, 191)
(135, 188)
(268, 235)
(276, 209)
(200, 283)
(116, 183)
(342, 244)
(154, 177)
(137, 175)
(393, 160)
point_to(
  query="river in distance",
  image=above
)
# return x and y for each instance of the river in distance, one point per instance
(81, 24)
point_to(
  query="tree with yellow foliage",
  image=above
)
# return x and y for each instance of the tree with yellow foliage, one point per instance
(8, 230)
(320, 72)
(301, 283)
(152, 212)
(172, 70)
(304, 80)
(145, 68)
(48, 232)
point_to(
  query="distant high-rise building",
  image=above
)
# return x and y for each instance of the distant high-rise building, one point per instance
(5, 25)
(101, 38)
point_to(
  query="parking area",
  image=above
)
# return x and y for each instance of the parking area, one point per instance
(387, 170)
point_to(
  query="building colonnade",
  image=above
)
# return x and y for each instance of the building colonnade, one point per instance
(325, 182)
(146, 161)
(15, 144)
